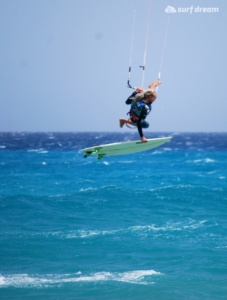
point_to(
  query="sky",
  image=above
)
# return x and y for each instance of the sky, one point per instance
(64, 64)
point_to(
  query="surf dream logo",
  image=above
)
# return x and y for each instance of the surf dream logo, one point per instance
(172, 10)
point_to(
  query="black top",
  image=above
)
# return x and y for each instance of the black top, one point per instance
(143, 114)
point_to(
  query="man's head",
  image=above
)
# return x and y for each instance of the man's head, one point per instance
(150, 96)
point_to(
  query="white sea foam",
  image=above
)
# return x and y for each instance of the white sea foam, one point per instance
(105, 187)
(76, 234)
(168, 227)
(2, 280)
(25, 280)
(88, 189)
(194, 225)
(34, 150)
(41, 151)
(205, 160)
(157, 152)
(140, 230)
(87, 233)
(209, 160)
(147, 228)
(166, 187)
(167, 149)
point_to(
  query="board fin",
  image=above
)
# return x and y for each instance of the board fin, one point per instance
(100, 156)
(88, 153)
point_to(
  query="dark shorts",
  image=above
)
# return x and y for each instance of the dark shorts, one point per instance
(144, 124)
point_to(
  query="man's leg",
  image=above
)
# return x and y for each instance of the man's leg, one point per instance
(144, 124)
(123, 121)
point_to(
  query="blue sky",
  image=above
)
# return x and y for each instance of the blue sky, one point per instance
(64, 64)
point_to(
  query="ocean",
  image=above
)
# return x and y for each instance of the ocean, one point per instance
(150, 225)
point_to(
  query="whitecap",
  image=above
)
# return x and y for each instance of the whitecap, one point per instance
(138, 276)
(157, 152)
(32, 150)
(87, 189)
(2, 280)
(179, 226)
(17, 280)
(189, 143)
(208, 160)
(167, 149)
(37, 150)
(147, 228)
(139, 230)
(89, 233)
(77, 234)
(212, 172)
(126, 162)
(25, 280)
(82, 234)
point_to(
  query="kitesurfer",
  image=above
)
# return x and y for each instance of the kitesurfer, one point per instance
(141, 105)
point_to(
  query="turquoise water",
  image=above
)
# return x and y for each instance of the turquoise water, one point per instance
(151, 225)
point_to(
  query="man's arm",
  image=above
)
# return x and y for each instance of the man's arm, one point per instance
(154, 84)
(131, 97)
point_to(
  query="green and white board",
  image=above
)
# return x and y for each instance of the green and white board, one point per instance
(124, 147)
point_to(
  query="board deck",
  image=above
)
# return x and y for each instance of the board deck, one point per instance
(124, 147)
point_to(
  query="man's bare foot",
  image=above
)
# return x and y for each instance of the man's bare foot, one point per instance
(143, 139)
(122, 122)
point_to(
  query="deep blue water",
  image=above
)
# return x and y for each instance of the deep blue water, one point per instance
(151, 225)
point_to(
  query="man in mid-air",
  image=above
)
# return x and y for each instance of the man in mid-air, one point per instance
(141, 105)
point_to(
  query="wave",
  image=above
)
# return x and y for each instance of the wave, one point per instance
(204, 160)
(38, 150)
(78, 140)
(179, 226)
(24, 280)
(140, 230)
(122, 191)
(109, 188)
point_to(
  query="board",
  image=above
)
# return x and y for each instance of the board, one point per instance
(124, 147)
